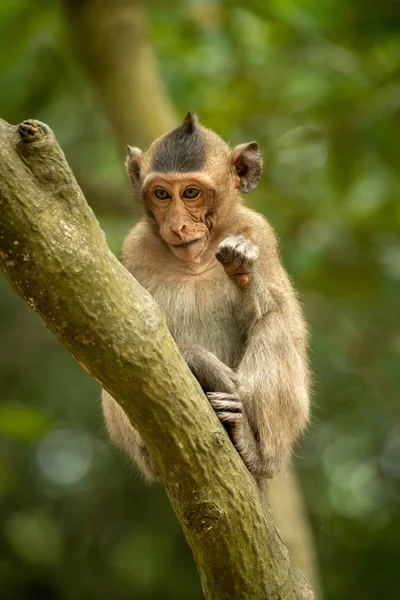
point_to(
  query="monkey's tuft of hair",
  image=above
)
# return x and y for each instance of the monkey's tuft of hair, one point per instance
(191, 121)
(183, 149)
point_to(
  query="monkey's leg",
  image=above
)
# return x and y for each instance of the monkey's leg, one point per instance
(126, 437)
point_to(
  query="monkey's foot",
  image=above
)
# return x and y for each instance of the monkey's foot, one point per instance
(237, 255)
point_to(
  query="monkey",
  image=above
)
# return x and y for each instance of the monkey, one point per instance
(213, 266)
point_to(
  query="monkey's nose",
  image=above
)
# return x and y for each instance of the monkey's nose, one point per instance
(178, 228)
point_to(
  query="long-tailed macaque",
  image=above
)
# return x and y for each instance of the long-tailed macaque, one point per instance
(213, 266)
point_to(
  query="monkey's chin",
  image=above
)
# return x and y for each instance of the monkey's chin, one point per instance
(191, 252)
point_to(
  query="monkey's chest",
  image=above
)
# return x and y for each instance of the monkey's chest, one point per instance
(204, 312)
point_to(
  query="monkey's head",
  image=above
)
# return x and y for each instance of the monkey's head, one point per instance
(188, 182)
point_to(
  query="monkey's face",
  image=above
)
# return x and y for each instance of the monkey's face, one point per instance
(181, 204)
(188, 180)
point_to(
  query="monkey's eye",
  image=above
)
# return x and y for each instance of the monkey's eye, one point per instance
(191, 192)
(161, 194)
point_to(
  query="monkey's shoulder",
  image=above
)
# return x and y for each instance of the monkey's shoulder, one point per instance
(255, 227)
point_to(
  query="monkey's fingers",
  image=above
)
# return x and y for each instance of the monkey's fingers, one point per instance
(239, 251)
(242, 278)
(223, 403)
(230, 417)
(231, 270)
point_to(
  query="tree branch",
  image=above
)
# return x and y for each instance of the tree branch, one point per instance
(55, 255)
(112, 40)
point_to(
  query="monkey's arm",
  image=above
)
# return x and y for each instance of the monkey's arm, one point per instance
(272, 407)
(212, 374)
(273, 372)
(275, 397)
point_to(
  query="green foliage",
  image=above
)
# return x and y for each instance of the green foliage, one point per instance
(35, 537)
(22, 422)
(316, 83)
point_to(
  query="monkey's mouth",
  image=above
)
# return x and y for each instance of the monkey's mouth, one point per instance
(186, 244)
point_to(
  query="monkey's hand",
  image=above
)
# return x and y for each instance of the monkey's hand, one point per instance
(229, 410)
(237, 255)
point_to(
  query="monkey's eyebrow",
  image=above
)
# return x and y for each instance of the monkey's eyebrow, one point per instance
(195, 178)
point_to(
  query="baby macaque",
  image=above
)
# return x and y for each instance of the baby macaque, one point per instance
(213, 266)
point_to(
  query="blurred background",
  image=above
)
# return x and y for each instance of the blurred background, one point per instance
(317, 85)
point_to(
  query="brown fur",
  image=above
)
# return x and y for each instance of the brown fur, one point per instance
(228, 302)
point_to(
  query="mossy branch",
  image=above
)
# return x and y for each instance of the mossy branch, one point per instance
(55, 255)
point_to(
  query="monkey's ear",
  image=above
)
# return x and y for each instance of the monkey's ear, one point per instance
(132, 163)
(247, 165)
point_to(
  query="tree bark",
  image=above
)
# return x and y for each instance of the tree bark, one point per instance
(113, 42)
(55, 255)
